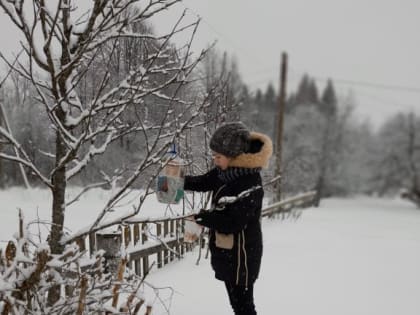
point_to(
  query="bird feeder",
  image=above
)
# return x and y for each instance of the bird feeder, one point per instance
(170, 182)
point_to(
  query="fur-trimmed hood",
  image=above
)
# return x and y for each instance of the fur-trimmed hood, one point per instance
(261, 151)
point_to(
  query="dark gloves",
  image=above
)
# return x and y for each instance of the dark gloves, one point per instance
(197, 217)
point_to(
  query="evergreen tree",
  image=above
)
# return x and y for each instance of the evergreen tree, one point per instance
(307, 93)
(328, 105)
(269, 111)
(312, 93)
(248, 110)
(258, 104)
(258, 97)
(396, 158)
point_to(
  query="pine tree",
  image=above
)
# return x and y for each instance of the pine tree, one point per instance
(328, 104)
(269, 112)
(307, 93)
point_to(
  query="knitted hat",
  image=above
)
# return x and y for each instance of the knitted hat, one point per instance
(231, 139)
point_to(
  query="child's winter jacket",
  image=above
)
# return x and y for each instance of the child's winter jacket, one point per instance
(235, 220)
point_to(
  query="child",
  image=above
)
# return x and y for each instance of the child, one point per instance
(235, 227)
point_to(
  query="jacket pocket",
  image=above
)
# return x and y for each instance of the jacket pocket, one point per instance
(224, 241)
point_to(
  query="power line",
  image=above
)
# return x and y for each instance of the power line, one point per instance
(352, 82)
(357, 88)
(348, 82)
(389, 102)
(373, 85)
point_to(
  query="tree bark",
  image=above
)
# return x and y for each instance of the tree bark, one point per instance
(324, 159)
(58, 207)
(414, 191)
(59, 184)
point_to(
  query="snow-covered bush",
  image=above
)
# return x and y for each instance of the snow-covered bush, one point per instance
(28, 272)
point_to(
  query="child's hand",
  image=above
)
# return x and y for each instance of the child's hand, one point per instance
(192, 230)
(193, 219)
(190, 218)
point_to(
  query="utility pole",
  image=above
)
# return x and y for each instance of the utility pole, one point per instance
(280, 119)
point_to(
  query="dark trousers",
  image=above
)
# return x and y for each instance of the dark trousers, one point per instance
(241, 299)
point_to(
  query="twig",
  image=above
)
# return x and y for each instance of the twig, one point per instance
(120, 275)
(82, 296)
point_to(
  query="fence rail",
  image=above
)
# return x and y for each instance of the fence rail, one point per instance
(299, 201)
(147, 242)
(161, 239)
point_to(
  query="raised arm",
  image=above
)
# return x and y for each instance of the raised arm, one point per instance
(235, 216)
(205, 182)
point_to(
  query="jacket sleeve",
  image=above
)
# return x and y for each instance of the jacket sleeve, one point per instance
(205, 182)
(235, 216)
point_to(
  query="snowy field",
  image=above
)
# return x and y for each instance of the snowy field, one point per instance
(356, 256)
(36, 206)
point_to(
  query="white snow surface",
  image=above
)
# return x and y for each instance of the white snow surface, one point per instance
(80, 214)
(357, 256)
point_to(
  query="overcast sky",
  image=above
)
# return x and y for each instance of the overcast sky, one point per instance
(366, 41)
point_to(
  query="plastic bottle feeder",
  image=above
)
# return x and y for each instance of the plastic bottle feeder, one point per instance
(170, 182)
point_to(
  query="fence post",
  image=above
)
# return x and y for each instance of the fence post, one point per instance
(137, 264)
(111, 243)
(159, 253)
(127, 240)
(81, 243)
(172, 223)
(127, 236)
(165, 234)
(143, 240)
(92, 243)
(180, 230)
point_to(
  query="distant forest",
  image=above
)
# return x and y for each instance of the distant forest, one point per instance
(324, 147)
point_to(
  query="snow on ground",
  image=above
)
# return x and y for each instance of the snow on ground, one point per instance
(36, 204)
(357, 256)
(350, 256)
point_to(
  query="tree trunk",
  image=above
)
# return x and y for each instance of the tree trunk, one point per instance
(58, 210)
(413, 193)
(319, 189)
(59, 182)
(320, 185)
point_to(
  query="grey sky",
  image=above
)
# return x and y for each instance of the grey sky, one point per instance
(372, 41)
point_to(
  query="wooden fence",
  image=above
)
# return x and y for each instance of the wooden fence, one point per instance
(299, 201)
(146, 242)
(160, 241)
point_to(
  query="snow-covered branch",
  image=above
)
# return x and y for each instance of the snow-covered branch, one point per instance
(104, 81)
(88, 157)
(21, 156)
(28, 271)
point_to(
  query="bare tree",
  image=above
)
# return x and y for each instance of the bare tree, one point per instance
(60, 43)
(412, 191)
(19, 95)
(94, 95)
(396, 153)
